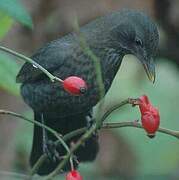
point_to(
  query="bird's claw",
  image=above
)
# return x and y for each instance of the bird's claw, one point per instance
(50, 149)
(75, 159)
(90, 121)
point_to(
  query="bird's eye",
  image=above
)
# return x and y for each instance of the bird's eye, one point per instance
(138, 42)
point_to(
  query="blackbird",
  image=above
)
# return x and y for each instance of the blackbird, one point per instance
(110, 38)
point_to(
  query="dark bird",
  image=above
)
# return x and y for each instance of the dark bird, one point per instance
(109, 38)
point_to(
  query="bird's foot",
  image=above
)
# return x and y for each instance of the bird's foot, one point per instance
(50, 149)
(90, 122)
(90, 119)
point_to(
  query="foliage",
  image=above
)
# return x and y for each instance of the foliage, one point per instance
(8, 72)
(11, 10)
(15, 10)
(6, 23)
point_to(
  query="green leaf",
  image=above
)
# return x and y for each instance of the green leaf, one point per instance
(8, 71)
(16, 10)
(6, 23)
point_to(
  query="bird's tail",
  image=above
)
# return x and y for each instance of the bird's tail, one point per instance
(87, 152)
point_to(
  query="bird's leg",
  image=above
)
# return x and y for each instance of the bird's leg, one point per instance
(48, 146)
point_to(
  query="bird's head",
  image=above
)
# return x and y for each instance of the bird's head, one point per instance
(136, 34)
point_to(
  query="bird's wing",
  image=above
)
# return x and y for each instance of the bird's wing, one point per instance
(50, 57)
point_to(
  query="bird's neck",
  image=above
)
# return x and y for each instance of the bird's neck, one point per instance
(110, 61)
(108, 51)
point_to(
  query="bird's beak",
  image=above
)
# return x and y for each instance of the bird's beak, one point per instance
(149, 67)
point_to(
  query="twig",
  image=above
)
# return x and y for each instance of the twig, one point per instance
(76, 132)
(55, 133)
(29, 60)
(105, 126)
(97, 66)
(117, 106)
(87, 135)
(5, 112)
(73, 149)
(37, 165)
(138, 125)
(66, 137)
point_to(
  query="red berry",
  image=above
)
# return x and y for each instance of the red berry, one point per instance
(75, 85)
(150, 123)
(150, 117)
(74, 175)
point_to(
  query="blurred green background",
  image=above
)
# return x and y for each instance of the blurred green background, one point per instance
(125, 153)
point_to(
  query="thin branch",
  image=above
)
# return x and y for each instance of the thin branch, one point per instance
(29, 60)
(105, 126)
(84, 136)
(10, 113)
(138, 125)
(117, 106)
(83, 130)
(37, 165)
(65, 138)
(76, 132)
(55, 133)
(97, 66)
(73, 149)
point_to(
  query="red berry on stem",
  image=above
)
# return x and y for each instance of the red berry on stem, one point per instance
(150, 123)
(150, 117)
(74, 175)
(75, 85)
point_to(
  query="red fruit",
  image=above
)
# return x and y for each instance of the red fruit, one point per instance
(74, 175)
(150, 117)
(75, 85)
(150, 123)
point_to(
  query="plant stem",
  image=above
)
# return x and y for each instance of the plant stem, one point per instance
(105, 126)
(84, 137)
(138, 125)
(55, 133)
(73, 149)
(83, 130)
(5, 112)
(117, 106)
(97, 67)
(37, 165)
(29, 60)
(76, 132)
